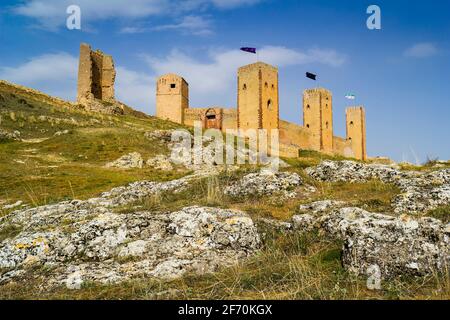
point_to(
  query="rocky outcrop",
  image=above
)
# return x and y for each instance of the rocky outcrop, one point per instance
(131, 160)
(85, 241)
(13, 136)
(160, 162)
(320, 206)
(421, 191)
(393, 246)
(265, 182)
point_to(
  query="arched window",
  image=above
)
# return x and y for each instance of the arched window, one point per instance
(269, 104)
(308, 107)
(273, 86)
(351, 123)
(244, 87)
(266, 85)
(307, 125)
(326, 124)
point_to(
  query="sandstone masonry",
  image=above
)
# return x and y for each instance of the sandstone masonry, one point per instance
(258, 108)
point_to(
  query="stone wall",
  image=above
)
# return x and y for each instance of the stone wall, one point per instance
(258, 108)
(343, 147)
(296, 135)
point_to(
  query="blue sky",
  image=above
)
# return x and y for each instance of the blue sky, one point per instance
(401, 73)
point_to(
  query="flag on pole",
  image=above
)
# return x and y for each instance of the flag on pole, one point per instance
(311, 76)
(350, 96)
(247, 49)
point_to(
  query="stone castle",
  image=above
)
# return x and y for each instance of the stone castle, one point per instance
(257, 107)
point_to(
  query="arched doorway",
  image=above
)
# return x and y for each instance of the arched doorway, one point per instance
(212, 119)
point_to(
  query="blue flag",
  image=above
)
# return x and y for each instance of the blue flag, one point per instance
(251, 50)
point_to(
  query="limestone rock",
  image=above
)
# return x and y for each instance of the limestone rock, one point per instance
(95, 244)
(60, 133)
(397, 245)
(160, 162)
(303, 222)
(131, 160)
(321, 206)
(265, 183)
(421, 191)
(5, 135)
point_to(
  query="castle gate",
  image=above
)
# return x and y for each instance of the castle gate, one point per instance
(212, 119)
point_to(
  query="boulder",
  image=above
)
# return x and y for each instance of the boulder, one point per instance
(420, 191)
(394, 246)
(95, 246)
(265, 182)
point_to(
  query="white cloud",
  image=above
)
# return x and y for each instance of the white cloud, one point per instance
(421, 50)
(192, 25)
(213, 82)
(195, 25)
(136, 89)
(51, 14)
(54, 74)
(228, 4)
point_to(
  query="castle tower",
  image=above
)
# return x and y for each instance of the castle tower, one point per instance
(356, 131)
(96, 75)
(257, 101)
(318, 118)
(172, 97)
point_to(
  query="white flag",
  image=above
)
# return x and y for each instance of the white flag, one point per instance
(350, 96)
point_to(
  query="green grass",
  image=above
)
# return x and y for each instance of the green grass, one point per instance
(46, 168)
(441, 213)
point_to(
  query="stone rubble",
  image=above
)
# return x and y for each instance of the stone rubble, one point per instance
(421, 191)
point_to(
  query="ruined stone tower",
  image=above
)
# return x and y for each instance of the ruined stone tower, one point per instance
(257, 105)
(356, 131)
(318, 118)
(172, 97)
(96, 76)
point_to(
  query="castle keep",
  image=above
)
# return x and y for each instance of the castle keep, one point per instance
(258, 108)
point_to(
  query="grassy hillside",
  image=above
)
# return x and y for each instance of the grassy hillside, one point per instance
(46, 167)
